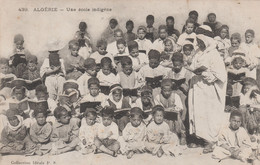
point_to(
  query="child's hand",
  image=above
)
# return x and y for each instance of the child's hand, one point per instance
(99, 108)
(19, 147)
(84, 142)
(251, 67)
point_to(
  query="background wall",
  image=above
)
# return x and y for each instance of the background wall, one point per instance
(39, 27)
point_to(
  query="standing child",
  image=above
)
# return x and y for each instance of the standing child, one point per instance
(112, 47)
(188, 34)
(212, 23)
(252, 52)
(74, 62)
(129, 35)
(144, 44)
(160, 140)
(233, 141)
(133, 137)
(138, 59)
(40, 132)
(172, 103)
(53, 70)
(90, 71)
(235, 40)
(107, 134)
(14, 136)
(158, 44)
(88, 131)
(170, 28)
(152, 33)
(65, 132)
(223, 41)
(109, 32)
(188, 53)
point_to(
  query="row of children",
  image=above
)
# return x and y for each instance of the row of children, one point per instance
(125, 64)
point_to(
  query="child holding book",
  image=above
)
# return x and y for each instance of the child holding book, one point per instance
(88, 131)
(129, 35)
(90, 71)
(65, 132)
(106, 139)
(188, 34)
(53, 70)
(160, 140)
(109, 32)
(158, 44)
(133, 136)
(32, 72)
(223, 41)
(144, 44)
(152, 32)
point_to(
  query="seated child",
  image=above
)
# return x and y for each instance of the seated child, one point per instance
(188, 34)
(105, 76)
(88, 131)
(107, 134)
(146, 103)
(40, 132)
(32, 72)
(212, 23)
(14, 136)
(74, 62)
(101, 52)
(118, 101)
(138, 59)
(90, 71)
(152, 33)
(121, 47)
(112, 47)
(188, 53)
(158, 44)
(160, 140)
(129, 35)
(151, 70)
(19, 53)
(144, 44)
(170, 48)
(65, 132)
(84, 39)
(133, 137)
(109, 32)
(233, 141)
(223, 41)
(249, 106)
(172, 103)
(53, 70)
(235, 40)
(252, 52)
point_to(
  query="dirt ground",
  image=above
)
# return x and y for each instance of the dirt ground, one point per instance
(189, 157)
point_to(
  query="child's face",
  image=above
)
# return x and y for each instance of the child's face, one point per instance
(162, 34)
(102, 49)
(158, 117)
(212, 18)
(249, 38)
(82, 28)
(42, 96)
(19, 45)
(128, 69)
(65, 118)
(187, 52)
(141, 34)
(13, 121)
(238, 64)
(19, 94)
(41, 119)
(90, 119)
(166, 91)
(149, 22)
(32, 66)
(129, 28)
(235, 122)
(194, 17)
(154, 63)
(112, 25)
(168, 46)
(189, 28)
(106, 120)
(170, 23)
(223, 33)
(74, 50)
(92, 71)
(145, 98)
(117, 95)
(106, 69)
(134, 52)
(94, 90)
(4, 68)
(201, 44)
(235, 43)
(118, 36)
(135, 120)
(121, 48)
(177, 66)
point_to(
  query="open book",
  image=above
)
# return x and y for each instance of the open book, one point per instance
(233, 101)
(171, 115)
(121, 112)
(130, 92)
(29, 84)
(154, 82)
(88, 104)
(179, 82)
(6, 81)
(105, 89)
(17, 59)
(68, 98)
(19, 105)
(35, 105)
(118, 59)
(233, 77)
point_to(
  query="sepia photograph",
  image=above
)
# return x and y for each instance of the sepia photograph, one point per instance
(129, 82)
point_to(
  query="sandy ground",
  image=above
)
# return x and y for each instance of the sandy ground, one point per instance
(189, 157)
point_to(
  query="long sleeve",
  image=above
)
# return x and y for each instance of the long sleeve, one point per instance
(115, 133)
(45, 67)
(44, 134)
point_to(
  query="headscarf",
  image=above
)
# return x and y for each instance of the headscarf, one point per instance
(15, 128)
(110, 96)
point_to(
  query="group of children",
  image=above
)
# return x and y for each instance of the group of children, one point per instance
(139, 84)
